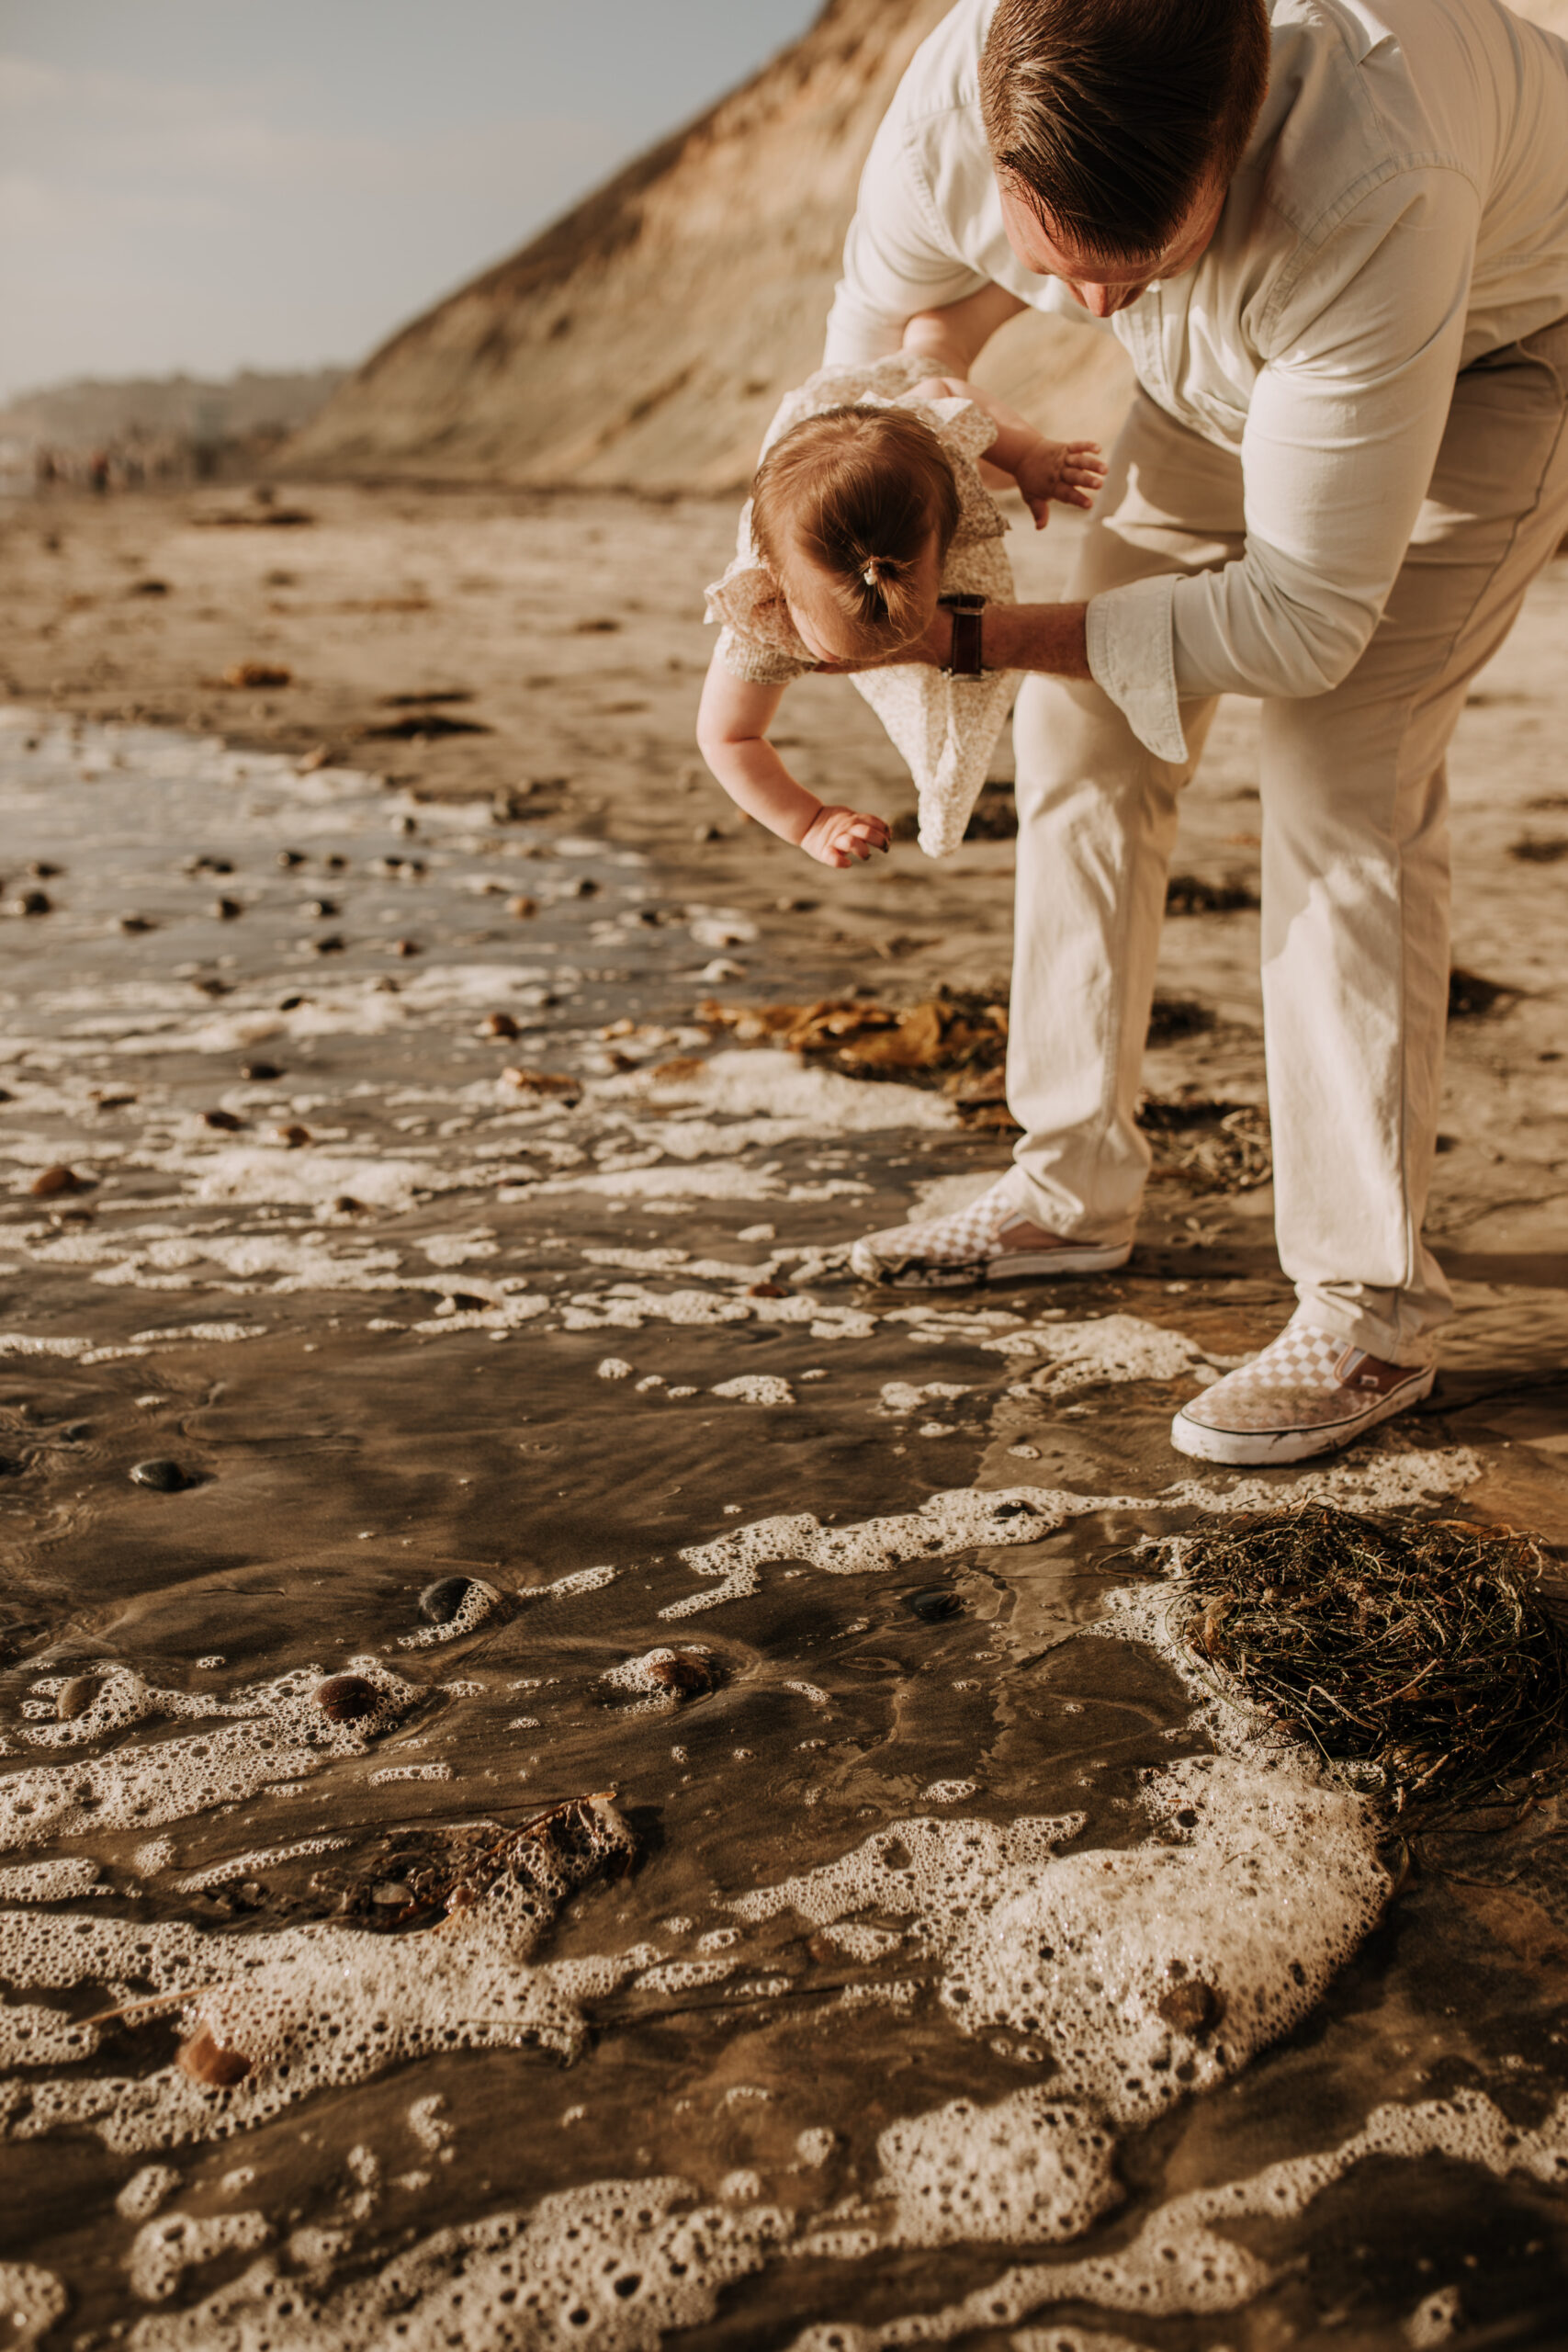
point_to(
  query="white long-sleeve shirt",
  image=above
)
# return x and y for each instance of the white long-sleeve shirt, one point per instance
(1402, 210)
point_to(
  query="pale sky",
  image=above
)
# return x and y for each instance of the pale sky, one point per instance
(214, 184)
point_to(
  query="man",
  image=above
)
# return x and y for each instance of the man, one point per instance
(1333, 236)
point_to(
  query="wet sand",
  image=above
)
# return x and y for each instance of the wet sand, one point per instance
(848, 2006)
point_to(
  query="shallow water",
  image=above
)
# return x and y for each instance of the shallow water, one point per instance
(888, 2033)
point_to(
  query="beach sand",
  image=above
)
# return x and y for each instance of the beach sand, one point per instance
(477, 1251)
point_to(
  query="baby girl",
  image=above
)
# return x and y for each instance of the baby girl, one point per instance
(867, 511)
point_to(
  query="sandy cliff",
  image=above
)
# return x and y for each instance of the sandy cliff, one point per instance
(646, 336)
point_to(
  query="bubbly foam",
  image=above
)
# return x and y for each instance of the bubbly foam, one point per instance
(1143, 1971)
(613, 2267)
(280, 1735)
(163, 2250)
(309, 2007)
(1026, 2169)
(31, 2300)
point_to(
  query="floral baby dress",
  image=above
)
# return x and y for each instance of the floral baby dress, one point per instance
(944, 727)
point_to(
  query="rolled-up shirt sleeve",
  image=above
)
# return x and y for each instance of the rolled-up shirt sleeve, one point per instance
(898, 259)
(1341, 437)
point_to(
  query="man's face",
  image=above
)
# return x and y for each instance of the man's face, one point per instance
(1101, 286)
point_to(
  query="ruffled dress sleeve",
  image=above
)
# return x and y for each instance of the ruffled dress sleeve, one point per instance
(757, 641)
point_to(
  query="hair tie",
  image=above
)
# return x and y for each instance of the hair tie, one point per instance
(870, 576)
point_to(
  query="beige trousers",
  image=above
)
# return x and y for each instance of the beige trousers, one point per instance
(1355, 860)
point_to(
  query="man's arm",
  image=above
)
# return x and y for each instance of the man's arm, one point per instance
(953, 338)
(1049, 638)
(1341, 438)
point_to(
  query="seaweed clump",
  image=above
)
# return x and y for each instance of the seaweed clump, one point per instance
(1420, 1659)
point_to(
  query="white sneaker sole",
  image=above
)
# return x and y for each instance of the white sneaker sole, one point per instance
(1012, 1266)
(1251, 1447)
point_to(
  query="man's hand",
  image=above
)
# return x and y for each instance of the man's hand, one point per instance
(838, 836)
(1068, 472)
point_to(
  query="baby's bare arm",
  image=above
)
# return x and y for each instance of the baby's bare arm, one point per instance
(732, 725)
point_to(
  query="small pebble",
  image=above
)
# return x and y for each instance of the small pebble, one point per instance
(288, 858)
(407, 947)
(35, 902)
(320, 908)
(56, 1180)
(205, 2060)
(498, 1025)
(768, 1290)
(294, 1136)
(134, 925)
(346, 1205)
(163, 1477)
(76, 1697)
(335, 861)
(227, 909)
(1190, 2006)
(262, 1073)
(582, 886)
(42, 871)
(521, 905)
(331, 945)
(443, 1600)
(932, 1607)
(346, 1698)
(224, 1120)
(687, 1673)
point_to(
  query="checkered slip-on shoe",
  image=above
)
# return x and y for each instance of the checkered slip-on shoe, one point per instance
(970, 1246)
(1309, 1393)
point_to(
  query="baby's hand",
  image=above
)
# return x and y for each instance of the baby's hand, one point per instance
(838, 836)
(1067, 471)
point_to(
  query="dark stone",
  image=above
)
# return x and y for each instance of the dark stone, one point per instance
(224, 1120)
(35, 902)
(1189, 2005)
(1469, 996)
(499, 1024)
(685, 1672)
(930, 1607)
(59, 1179)
(321, 907)
(332, 944)
(346, 1698)
(206, 2062)
(161, 1478)
(261, 1072)
(134, 925)
(1187, 893)
(1174, 1017)
(441, 1601)
(290, 858)
(227, 909)
(76, 1696)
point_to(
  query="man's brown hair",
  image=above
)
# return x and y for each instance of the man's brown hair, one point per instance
(1111, 117)
(856, 493)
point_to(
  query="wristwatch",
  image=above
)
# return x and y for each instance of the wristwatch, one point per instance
(966, 661)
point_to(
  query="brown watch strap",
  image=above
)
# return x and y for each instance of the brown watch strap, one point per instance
(967, 657)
